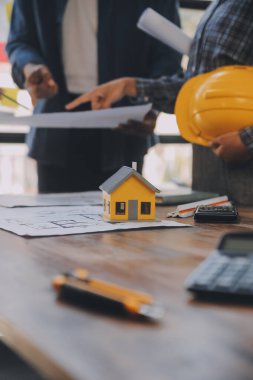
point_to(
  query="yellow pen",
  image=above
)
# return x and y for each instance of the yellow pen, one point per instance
(4, 95)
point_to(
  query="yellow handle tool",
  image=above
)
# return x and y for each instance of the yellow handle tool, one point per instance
(131, 301)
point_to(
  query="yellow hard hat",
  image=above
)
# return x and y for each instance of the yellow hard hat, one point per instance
(215, 103)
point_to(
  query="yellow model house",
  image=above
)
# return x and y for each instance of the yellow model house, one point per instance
(128, 196)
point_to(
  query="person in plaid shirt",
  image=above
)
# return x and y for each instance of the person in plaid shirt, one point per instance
(223, 37)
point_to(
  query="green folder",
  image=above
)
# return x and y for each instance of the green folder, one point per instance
(181, 196)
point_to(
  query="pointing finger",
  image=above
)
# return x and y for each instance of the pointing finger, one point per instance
(81, 99)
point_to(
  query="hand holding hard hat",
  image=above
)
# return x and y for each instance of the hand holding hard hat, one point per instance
(216, 103)
(231, 148)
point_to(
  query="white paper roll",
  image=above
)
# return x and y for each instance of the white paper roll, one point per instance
(164, 30)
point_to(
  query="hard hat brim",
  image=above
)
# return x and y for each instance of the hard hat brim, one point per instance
(182, 109)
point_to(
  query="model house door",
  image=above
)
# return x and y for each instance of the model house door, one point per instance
(133, 210)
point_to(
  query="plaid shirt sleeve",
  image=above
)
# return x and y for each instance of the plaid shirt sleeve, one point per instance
(247, 138)
(161, 92)
(223, 37)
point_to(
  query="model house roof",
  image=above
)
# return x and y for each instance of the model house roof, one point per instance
(121, 176)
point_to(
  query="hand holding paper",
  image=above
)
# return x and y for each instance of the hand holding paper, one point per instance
(140, 128)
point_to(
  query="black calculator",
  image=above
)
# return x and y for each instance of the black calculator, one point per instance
(216, 214)
(228, 271)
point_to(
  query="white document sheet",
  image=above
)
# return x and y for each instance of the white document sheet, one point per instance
(109, 118)
(51, 221)
(86, 198)
(164, 30)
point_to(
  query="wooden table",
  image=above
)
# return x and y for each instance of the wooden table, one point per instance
(196, 341)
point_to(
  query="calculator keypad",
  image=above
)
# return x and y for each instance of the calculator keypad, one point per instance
(218, 209)
(216, 213)
(225, 274)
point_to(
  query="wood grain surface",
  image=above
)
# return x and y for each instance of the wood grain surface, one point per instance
(195, 341)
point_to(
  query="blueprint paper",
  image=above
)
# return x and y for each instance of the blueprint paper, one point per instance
(5, 111)
(60, 199)
(164, 30)
(108, 118)
(52, 221)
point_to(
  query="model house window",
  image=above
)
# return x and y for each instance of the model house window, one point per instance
(145, 208)
(104, 205)
(108, 207)
(120, 208)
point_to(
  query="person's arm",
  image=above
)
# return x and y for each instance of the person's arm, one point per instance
(22, 46)
(161, 92)
(164, 60)
(28, 67)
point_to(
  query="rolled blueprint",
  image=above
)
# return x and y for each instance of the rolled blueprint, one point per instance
(164, 30)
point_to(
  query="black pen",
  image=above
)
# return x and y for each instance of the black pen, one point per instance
(13, 100)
